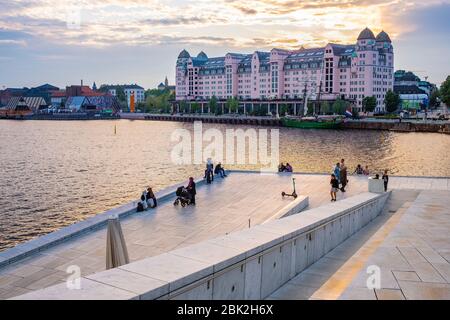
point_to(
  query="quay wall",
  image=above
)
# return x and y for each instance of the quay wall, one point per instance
(439, 126)
(389, 125)
(248, 264)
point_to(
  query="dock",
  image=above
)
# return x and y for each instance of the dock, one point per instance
(241, 201)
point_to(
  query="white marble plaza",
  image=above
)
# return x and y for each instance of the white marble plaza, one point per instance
(223, 207)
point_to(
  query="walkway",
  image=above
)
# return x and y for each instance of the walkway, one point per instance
(409, 244)
(223, 207)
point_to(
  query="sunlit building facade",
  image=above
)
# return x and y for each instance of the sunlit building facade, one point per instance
(348, 71)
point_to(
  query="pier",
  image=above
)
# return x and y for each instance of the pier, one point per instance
(236, 206)
(430, 126)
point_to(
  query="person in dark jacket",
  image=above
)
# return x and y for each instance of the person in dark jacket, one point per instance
(220, 170)
(334, 182)
(191, 189)
(343, 175)
(385, 180)
(151, 199)
(209, 176)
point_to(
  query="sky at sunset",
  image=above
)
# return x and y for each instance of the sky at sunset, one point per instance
(138, 41)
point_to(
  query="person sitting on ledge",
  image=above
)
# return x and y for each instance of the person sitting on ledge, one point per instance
(151, 199)
(281, 167)
(377, 177)
(142, 205)
(359, 170)
(288, 168)
(220, 170)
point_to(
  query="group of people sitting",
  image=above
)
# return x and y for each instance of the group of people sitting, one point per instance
(361, 171)
(211, 171)
(186, 194)
(285, 168)
(148, 200)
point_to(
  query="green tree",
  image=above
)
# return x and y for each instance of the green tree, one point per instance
(120, 93)
(434, 98)
(283, 109)
(141, 106)
(310, 108)
(182, 106)
(339, 106)
(232, 105)
(195, 107)
(325, 107)
(212, 104)
(392, 101)
(369, 104)
(160, 103)
(445, 91)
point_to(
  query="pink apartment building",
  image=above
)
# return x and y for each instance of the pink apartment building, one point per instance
(351, 72)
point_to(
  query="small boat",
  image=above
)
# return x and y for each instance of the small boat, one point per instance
(325, 122)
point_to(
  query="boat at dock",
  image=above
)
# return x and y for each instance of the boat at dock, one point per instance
(322, 122)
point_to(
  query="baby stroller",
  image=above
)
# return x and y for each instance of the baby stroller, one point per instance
(183, 197)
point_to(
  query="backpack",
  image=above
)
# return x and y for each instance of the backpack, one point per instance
(140, 207)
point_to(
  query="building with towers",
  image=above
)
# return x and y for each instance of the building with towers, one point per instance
(350, 72)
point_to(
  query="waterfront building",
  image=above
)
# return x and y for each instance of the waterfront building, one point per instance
(165, 86)
(44, 91)
(346, 71)
(413, 92)
(412, 97)
(23, 106)
(81, 90)
(131, 90)
(58, 98)
(8, 93)
(99, 103)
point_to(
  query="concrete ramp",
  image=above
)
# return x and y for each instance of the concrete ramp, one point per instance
(247, 264)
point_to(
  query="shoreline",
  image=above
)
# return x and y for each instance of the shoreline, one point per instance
(406, 126)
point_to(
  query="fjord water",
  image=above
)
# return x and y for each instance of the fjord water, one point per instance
(56, 173)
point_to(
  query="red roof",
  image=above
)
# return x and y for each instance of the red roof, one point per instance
(88, 92)
(58, 94)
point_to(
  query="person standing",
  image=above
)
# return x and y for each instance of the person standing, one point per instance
(334, 187)
(337, 172)
(385, 180)
(343, 175)
(209, 176)
(192, 190)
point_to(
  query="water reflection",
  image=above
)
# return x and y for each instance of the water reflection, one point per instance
(55, 173)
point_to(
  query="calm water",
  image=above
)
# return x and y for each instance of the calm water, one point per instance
(55, 173)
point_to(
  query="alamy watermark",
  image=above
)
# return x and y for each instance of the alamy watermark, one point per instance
(232, 147)
(374, 279)
(73, 281)
(73, 18)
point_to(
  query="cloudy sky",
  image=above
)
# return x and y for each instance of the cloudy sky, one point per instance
(137, 41)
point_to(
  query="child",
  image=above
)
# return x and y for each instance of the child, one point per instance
(334, 187)
(385, 180)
